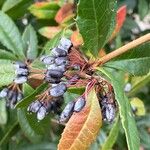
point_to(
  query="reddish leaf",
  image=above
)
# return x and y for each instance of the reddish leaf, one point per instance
(83, 127)
(76, 39)
(121, 16)
(65, 13)
(49, 32)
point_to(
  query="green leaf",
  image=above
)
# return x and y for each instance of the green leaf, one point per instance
(75, 90)
(27, 89)
(30, 42)
(3, 112)
(111, 139)
(10, 36)
(40, 127)
(28, 99)
(1, 2)
(125, 112)
(136, 61)
(4, 54)
(38, 64)
(29, 122)
(10, 132)
(9, 4)
(143, 8)
(95, 21)
(136, 67)
(45, 10)
(16, 8)
(7, 72)
(26, 128)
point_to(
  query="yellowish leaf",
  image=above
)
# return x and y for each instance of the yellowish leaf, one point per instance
(137, 106)
(83, 127)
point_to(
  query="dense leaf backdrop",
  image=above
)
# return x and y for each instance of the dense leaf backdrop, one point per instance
(29, 29)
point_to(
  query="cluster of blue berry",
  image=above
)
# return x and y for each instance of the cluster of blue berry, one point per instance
(56, 64)
(42, 108)
(65, 67)
(13, 93)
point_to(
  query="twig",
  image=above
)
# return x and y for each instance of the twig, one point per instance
(122, 50)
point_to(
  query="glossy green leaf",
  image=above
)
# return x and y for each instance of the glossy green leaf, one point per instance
(38, 64)
(125, 112)
(28, 99)
(95, 20)
(7, 72)
(26, 128)
(27, 89)
(75, 90)
(40, 127)
(3, 112)
(136, 67)
(16, 8)
(1, 2)
(10, 36)
(10, 132)
(111, 139)
(30, 42)
(136, 61)
(4, 54)
(29, 123)
(44, 10)
(10, 4)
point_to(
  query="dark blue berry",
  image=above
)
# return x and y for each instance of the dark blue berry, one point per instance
(48, 60)
(67, 112)
(54, 73)
(58, 90)
(57, 52)
(61, 61)
(20, 79)
(79, 104)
